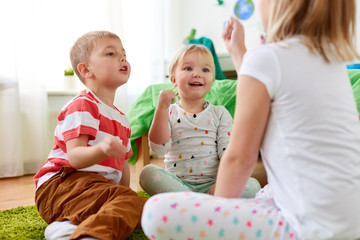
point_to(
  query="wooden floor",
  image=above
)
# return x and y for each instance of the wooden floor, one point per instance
(15, 192)
(19, 191)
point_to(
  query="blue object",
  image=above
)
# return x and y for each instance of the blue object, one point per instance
(353, 66)
(244, 9)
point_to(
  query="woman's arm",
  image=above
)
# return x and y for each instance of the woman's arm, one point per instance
(224, 132)
(159, 131)
(251, 116)
(234, 39)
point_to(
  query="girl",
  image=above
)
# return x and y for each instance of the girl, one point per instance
(192, 133)
(294, 100)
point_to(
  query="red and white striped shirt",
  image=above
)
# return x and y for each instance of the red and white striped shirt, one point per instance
(87, 114)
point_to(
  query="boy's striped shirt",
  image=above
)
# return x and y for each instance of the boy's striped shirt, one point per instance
(87, 114)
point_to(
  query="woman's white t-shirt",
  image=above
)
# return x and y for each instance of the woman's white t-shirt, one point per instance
(311, 148)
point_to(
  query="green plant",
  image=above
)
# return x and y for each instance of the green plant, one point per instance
(69, 72)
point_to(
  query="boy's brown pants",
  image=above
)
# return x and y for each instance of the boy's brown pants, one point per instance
(99, 208)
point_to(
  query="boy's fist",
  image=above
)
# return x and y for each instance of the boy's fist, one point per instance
(113, 147)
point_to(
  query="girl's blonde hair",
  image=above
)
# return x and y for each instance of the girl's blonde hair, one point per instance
(81, 50)
(327, 26)
(179, 57)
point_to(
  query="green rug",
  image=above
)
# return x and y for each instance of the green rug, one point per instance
(25, 223)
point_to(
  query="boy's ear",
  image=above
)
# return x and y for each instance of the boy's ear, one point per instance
(172, 80)
(84, 70)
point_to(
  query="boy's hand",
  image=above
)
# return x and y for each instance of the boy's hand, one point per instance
(81, 155)
(165, 98)
(112, 147)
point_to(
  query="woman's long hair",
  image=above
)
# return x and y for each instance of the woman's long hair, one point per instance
(326, 26)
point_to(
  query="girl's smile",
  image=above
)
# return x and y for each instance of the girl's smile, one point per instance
(193, 77)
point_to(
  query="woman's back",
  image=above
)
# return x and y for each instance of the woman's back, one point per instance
(311, 147)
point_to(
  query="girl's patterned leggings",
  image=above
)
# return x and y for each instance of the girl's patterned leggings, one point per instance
(191, 216)
(154, 179)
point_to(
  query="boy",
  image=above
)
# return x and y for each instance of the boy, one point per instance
(83, 189)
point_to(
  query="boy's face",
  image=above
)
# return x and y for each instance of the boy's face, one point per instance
(193, 77)
(108, 63)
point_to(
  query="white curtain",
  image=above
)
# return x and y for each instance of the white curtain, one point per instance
(36, 36)
(144, 22)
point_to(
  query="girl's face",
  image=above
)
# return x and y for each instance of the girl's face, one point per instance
(108, 63)
(193, 76)
(263, 10)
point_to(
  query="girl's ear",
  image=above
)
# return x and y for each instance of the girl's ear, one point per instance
(173, 81)
(84, 70)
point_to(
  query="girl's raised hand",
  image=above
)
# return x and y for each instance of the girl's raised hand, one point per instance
(165, 98)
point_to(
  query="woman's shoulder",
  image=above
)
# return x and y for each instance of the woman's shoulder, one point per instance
(295, 41)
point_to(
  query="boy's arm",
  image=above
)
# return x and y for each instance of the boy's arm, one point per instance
(81, 155)
(159, 131)
(125, 178)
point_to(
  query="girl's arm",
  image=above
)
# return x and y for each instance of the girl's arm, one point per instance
(159, 131)
(81, 155)
(239, 159)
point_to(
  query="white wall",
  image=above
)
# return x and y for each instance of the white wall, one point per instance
(207, 17)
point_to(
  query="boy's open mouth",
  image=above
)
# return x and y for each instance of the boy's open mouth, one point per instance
(124, 68)
(196, 84)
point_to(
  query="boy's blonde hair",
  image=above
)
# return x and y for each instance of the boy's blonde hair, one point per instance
(328, 26)
(81, 50)
(179, 57)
